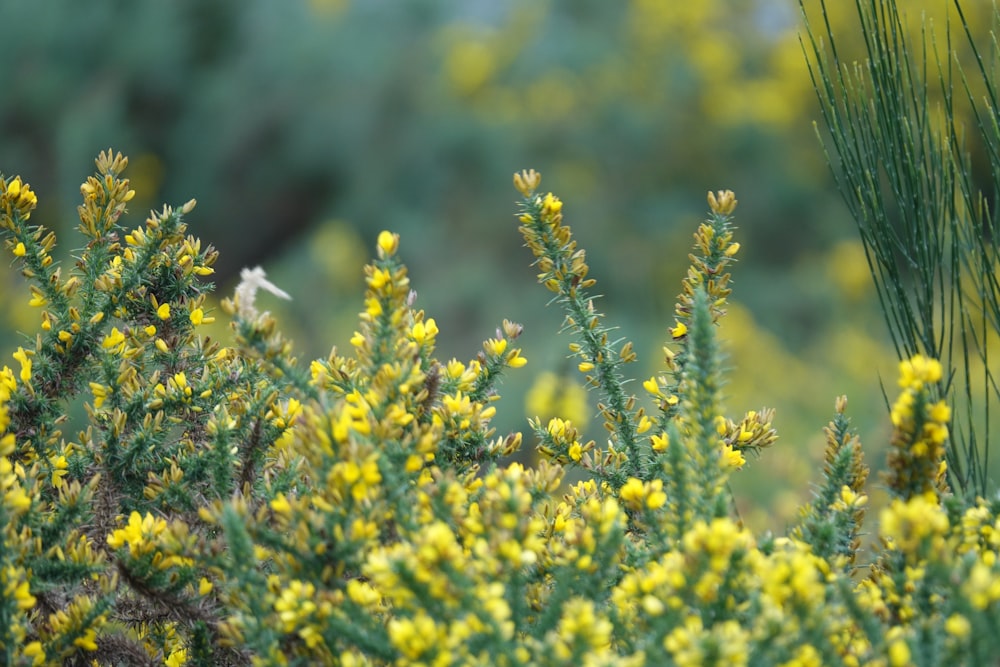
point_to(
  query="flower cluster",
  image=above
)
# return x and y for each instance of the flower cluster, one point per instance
(229, 506)
(916, 459)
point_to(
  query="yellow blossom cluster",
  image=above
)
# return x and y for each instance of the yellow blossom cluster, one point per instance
(16, 199)
(916, 459)
(227, 506)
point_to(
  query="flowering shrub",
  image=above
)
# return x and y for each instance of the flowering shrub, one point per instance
(228, 506)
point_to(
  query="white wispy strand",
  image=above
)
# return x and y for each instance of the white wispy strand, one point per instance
(252, 280)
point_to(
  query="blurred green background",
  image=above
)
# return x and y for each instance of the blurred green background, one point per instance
(303, 128)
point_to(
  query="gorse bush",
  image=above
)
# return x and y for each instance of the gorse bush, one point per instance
(226, 505)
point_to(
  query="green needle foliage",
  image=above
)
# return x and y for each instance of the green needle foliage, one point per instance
(225, 506)
(903, 118)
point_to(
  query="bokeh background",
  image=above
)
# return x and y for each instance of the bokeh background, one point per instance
(303, 128)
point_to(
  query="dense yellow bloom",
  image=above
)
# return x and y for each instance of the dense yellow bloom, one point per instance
(551, 205)
(793, 576)
(295, 605)
(359, 481)
(691, 644)
(637, 494)
(365, 500)
(424, 332)
(14, 496)
(495, 346)
(718, 540)
(138, 534)
(982, 588)
(581, 624)
(16, 198)
(918, 371)
(414, 637)
(909, 523)
(379, 279)
(916, 459)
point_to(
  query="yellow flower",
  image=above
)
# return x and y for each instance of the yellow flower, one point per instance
(25, 358)
(958, 626)
(280, 504)
(644, 425)
(18, 196)
(655, 496)
(939, 412)
(114, 341)
(163, 312)
(197, 316)
(22, 594)
(908, 523)
(59, 469)
(388, 243)
(137, 533)
(379, 279)
(514, 358)
(88, 642)
(177, 658)
(423, 331)
(362, 593)
(551, 205)
(373, 307)
(917, 371)
(35, 651)
(20, 250)
(413, 636)
(632, 493)
(732, 458)
(899, 653)
(495, 346)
